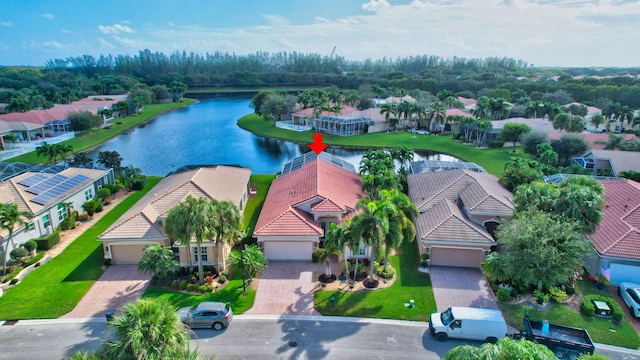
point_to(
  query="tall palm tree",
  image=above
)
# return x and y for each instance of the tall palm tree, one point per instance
(625, 115)
(331, 247)
(148, 329)
(371, 225)
(251, 259)
(10, 217)
(437, 114)
(597, 120)
(190, 221)
(499, 108)
(401, 226)
(62, 150)
(482, 108)
(226, 220)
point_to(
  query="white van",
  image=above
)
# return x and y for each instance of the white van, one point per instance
(468, 323)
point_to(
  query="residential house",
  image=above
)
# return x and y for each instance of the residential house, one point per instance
(616, 241)
(349, 121)
(142, 224)
(591, 112)
(42, 194)
(399, 100)
(459, 211)
(312, 192)
(609, 162)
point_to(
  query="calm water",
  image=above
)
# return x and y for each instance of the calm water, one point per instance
(206, 133)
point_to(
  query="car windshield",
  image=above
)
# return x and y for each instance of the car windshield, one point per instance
(446, 317)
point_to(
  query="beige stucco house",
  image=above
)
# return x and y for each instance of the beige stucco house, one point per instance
(459, 210)
(142, 224)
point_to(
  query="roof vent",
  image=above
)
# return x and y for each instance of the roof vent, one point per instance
(292, 192)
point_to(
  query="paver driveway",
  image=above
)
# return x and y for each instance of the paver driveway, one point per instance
(118, 285)
(286, 288)
(461, 287)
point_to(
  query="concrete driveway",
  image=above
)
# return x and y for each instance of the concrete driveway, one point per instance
(118, 285)
(461, 287)
(286, 288)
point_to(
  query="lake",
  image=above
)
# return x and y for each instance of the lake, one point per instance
(206, 133)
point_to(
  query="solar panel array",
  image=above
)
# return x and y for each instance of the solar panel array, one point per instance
(59, 189)
(297, 163)
(46, 184)
(33, 179)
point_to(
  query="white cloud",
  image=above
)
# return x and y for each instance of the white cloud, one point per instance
(376, 5)
(66, 31)
(115, 29)
(44, 45)
(6, 23)
(320, 19)
(48, 16)
(275, 20)
(171, 23)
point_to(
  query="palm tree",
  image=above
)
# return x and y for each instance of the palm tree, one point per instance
(47, 150)
(251, 259)
(345, 239)
(157, 260)
(371, 225)
(10, 217)
(81, 159)
(401, 226)
(576, 124)
(597, 120)
(534, 109)
(63, 151)
(482, 108)
(226, 220)
(190, 221)
(148, 329)
(331, 246)
(561, 121)
(499, 108)
(437, 114)
(129, 175)
(402, 154)
(625, 115)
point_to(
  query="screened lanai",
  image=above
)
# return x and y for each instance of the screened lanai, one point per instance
(343, 126)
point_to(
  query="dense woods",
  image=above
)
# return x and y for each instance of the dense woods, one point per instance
(63, 80)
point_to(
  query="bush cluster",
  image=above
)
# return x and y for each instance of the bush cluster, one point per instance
(13, 274)
(18, 253)
(588, 309)
(496, 144)
(385, 274)
(35, 259)
(504, 294)
(49, 241)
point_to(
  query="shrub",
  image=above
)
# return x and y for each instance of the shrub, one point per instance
(531, 140)
(174, 283)
(557, 295)
(570, 289)
(424, 263)
(496, 144)
(602, 280)
(104, 193)
(588, 309)
(18, 253)
(14, 281)
(424, 256)
(99, 207)
(385, 274)
(225, 273)
(202, 288)
(182, 285)
(190, 287)
(35, 259)
(49, 241)
(84, 216)
(30, 245)
(315, 256)
(91, 206)
(541, 296)
(168, 283)
(107, 262)
(222, 279)
(504, 294)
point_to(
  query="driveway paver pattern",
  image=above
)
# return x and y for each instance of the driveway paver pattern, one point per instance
(118, 285)
(461, 287)
(286, 288)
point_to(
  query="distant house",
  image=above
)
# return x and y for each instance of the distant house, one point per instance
(43, 193)
(616, 241)
(399, 100)
(459, 211)
(609, 162)
(311, 193)
(142, 224)
(349, 121)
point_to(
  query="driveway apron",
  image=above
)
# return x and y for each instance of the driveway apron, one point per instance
(118, 285)
(286, 288)
(461, 287)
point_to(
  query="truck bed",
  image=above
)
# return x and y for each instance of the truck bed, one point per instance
(563, 336)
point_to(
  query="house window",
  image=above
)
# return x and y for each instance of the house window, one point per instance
(61, 212)
(88, 194)
(46, 222)
(362, 251)
(203, 252)
(31, 226)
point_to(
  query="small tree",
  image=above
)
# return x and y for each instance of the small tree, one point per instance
(91, 206)
(252, 260)
(513, 132)
(110, 159)
(104, 194)
(157, 260)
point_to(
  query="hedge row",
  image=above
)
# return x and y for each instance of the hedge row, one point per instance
(35, 259)
(588, 309)
(13, 274)
(49, 241)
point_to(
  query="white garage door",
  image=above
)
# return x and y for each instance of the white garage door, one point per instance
(126, 254)
(456, 257)
(288, 251)
(624, 273)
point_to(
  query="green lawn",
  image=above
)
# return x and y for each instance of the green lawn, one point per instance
(56, 287)
(601, 330)
(261, 183)
(386, 303)
(231, 293)
(98, 136)
(491, 160)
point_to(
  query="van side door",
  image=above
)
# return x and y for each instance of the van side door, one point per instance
(455, 329)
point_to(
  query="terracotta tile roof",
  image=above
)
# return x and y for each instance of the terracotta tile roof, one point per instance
(317, 185)
(143, 220)
(446, 222)
(467, 101)
(594, 140)
(309, 112)
(458, 112)
(480, 192)
(591, 110)
(619, 231)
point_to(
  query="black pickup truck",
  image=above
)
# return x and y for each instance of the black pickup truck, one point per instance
(565, 342)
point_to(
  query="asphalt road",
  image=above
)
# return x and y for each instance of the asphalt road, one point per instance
(254, 337)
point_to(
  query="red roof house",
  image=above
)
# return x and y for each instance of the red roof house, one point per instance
(302, 203)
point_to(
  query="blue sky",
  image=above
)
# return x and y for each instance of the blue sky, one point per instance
(542, 32)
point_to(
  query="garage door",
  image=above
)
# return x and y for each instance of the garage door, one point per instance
(456, 257)
(126, 254)
(288, 251)
(621, 273)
